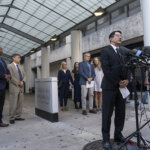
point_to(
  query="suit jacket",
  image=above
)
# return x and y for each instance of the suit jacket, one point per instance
(3, 82)
(15, 80)
(113, 68)
(84, 72)
(64, 78)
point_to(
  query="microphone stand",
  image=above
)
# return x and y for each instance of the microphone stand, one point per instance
(137, 133)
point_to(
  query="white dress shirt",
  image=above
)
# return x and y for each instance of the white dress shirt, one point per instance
(114, 47)
(16, 65)
(64, 71)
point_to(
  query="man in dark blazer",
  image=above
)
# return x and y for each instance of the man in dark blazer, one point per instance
(87, 74)
(114, 77)
(4, 78)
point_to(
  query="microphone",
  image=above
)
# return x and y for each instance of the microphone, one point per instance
(127, 52)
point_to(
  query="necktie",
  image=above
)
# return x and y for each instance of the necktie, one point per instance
(117, 50)
(89, 66)
(119, 55)
(20, 74)
(3, 65)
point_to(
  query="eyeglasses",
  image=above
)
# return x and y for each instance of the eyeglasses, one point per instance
(117, 35)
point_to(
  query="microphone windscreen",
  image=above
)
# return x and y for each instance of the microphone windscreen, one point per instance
(124, 51)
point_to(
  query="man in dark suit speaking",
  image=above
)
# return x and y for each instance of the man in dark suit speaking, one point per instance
(4, 78)
(114, 77)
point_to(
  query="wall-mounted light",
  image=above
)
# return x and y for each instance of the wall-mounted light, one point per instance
(99, 12)
(32, 50)
(54, 38)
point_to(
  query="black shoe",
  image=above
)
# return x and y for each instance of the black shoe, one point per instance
(12, 121)
(107, 146)
(92, 111)
(76, 106)
(80, 105)
(19, 119)
(84, 112)
(119, 139)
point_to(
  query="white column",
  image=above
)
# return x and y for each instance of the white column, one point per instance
(68, 60)
(145, 6)
(27, 68)
(49, 50)
(45, 62)
(38, 72)
(76, 46)
(76, 49)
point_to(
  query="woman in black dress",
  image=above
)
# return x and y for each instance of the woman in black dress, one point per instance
(77, 87)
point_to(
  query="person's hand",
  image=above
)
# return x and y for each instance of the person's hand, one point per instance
(89, 80)
(123, 83)
(21, 84)
(126, 82)
(72, 86)
(7, 77)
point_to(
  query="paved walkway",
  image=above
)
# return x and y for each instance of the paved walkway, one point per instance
(72, 131)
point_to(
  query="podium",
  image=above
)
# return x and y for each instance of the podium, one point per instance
(46, 98)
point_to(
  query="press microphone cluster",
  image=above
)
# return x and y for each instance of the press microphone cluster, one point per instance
(143, 55)
(127, 52)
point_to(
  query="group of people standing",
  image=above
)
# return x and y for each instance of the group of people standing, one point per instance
(89, 78)
(82, 74)
(12, 76)
(86, 78)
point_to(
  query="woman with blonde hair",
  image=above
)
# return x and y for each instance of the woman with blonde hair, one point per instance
(98, 81)
(64, 76)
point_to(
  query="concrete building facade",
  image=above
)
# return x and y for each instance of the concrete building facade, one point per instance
(127, 19)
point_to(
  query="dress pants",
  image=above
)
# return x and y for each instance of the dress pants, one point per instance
(16, 105)
(112, 99)
(84, 92)
(2, 99)
(64, 90)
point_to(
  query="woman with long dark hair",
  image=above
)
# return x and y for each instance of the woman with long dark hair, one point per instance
(77, 87)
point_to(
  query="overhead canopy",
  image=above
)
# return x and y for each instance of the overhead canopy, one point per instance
(26, 24)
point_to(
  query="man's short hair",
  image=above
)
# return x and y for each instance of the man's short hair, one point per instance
(86, 54)
(14, 55)
(112, 34)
